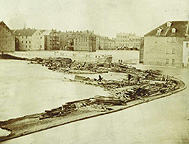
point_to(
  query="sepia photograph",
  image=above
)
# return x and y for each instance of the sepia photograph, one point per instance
(94, 71)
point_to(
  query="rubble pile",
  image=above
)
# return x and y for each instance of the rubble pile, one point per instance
(136, 84)
(68, 66)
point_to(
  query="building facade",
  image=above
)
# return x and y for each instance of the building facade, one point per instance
(51, 40)
(86, 41)
(104, 43)
(167, 45)
(127, 40)
(29, 39)
(7, 38)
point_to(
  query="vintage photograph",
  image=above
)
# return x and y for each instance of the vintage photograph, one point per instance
(94, 71)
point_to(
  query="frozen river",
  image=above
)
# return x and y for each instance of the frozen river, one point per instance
(27, 89)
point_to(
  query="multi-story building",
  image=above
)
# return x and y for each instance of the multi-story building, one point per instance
(29, 39)
(104, 43)
(127, 40)
(7, 38)
(51, 40)
(86, 41)
(167, 45)
(67, 39)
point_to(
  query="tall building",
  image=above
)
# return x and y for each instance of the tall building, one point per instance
(7, 38)
(29, 39)
(167, 45)
(127, 40)
(51, 40)
(86, 41)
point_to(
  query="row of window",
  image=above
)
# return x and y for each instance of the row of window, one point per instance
(30, 46)
(168, 61)
(26, 41)
(128, 40)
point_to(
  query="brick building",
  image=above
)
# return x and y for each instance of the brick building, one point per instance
(29, 39)
(7, 38)
(167, 45)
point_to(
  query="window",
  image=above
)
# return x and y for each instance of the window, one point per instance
(22, 41)
(167, 61)
(187, 45)
(173, 51)
(173, 61)
(26, 41)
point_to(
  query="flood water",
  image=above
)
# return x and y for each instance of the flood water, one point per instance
(27, 89)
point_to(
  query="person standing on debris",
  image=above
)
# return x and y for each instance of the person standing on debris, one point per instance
(129, 78)
(138, 79)
(100, 78)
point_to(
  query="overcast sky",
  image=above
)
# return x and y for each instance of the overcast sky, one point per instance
(105, 17)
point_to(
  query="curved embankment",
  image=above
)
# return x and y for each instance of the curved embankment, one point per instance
(32, 123)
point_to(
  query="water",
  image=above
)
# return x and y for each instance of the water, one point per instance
(31, 88)
(27, 89)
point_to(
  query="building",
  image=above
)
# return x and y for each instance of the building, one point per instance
(7, 38)
(85, 41)
(29, 39)
(167, 45)
(127, 40)
(67, 39)
(104, 43)
(51, 40)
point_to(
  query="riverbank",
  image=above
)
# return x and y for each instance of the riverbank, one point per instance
(114, 107)
(31, 123)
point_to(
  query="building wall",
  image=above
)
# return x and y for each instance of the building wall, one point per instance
(7, 39)
(24, 43)
(34, 42)
(127, 40)
(37, 41)
(186, 53)
(85, 43)
(106, 43)
(163, 51)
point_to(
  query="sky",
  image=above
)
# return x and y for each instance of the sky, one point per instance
(104, 17)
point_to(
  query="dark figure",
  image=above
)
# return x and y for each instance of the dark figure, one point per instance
(129, 77)
(138, 80)
(100, 78)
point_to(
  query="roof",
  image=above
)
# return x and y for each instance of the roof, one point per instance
(46, 32)
(25, 32)
(180, 26)
(3, 24)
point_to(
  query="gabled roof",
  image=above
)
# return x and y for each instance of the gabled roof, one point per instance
(180, 26)
(25, 32)
(3, 24)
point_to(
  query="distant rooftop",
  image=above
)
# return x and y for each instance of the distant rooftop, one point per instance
(25, 32)
(171, 28)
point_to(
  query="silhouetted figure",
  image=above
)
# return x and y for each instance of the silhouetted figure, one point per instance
(129, 78)
(100, 78)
